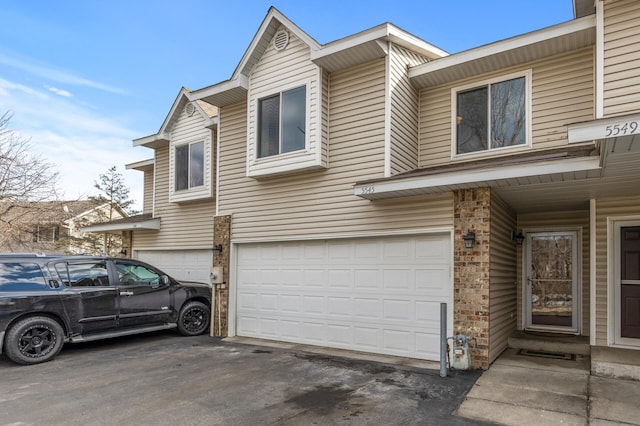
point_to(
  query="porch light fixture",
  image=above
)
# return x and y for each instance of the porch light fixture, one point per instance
(519, 238)
(217, 249)
(469, 239)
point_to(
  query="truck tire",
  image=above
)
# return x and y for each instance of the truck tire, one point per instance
(33, 340)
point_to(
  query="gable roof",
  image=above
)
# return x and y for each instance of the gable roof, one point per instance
(209, 114)
(347, 52)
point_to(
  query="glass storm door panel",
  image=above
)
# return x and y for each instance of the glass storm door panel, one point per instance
(552, 300)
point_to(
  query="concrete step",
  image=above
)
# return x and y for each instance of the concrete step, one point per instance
(554, 343)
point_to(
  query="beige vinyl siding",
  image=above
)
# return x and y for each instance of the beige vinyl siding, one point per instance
(321, 203)
(502, 277)
(277, 71)
(621, 59)
(147, 191)
(559, 221)
(404, 110)
(186, 225)
(562, 93)
(605, 209)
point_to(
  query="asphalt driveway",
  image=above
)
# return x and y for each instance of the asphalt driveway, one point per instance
(166, 379)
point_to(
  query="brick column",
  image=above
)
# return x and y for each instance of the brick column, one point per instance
(220, 312)
(127, 243)
(472, 211)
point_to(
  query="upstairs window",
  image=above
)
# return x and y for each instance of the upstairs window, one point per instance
(189, 166)
(491, 116)
(281, 122)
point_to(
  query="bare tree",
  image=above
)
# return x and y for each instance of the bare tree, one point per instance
(112, 202)
(25, 180)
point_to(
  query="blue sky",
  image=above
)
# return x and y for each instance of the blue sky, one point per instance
(84, 78)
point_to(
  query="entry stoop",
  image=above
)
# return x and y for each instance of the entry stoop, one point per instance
(549, 343)
(615, 362)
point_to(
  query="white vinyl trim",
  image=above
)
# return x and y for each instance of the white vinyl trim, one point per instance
(387, 115)
(599, 59)
(476, 176)
(527, 74)
(614, 224)
(592, 271)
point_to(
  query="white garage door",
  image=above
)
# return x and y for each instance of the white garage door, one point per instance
(188, 265)
(378, 295)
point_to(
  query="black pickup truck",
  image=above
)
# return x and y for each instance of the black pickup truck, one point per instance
(48, 300)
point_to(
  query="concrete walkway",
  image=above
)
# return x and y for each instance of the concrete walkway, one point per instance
(524, 390)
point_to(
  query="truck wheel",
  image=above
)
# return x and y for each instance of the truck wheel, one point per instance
(33, 340)
(194, 318)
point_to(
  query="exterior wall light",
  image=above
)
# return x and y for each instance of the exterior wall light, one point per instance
(217, 249)
(519, 238)
(469, 239)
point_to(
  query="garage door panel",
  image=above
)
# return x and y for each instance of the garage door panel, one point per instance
(371, 294)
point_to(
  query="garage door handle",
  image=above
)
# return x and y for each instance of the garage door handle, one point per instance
(126, 293)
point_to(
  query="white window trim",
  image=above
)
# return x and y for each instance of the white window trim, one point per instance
(189, 187)
(197, 192)
(307, 120)
(613, 291)
(527, 74)
(289, 162)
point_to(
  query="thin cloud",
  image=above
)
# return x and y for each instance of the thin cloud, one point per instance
(61, 92)
(49, 72)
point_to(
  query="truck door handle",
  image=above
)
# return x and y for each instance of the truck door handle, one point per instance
(126, 293)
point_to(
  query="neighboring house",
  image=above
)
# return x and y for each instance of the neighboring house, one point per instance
(339, 185)
(53, 226)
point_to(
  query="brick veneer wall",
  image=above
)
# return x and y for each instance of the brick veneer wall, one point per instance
(472, 211)
(220, 312)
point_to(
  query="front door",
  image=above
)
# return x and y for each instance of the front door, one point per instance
(551, 289)
(630, 282)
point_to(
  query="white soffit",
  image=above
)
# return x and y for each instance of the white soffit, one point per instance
(221, 94)
(153, 141)
(369, 45)
(152, 224)
(517, 174)
(561, 38)
(141, 165)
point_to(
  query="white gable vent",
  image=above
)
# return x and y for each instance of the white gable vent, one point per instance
(189, 109)
(281, 40)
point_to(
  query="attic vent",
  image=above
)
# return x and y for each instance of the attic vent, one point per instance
(281, 40)
(189, 109)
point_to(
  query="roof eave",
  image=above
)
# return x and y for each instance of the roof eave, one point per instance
(553, 40)
(141, 166)
(369, 45)
(151, 224)
(225, 93)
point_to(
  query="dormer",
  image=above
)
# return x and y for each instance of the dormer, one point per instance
(187, 133)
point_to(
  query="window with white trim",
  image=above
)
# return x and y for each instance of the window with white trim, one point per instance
(492, 115)
(189, 166)
(282, 122)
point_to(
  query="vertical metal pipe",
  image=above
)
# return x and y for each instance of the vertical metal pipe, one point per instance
(443, 340)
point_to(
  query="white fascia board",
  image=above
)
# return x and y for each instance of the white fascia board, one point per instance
(212, 122)
(140, 165)
(354, 40)
(604, 128)
(151, 140)
(387, 32)
(153, 224)
(498, 47)
(408, 40)
(484, 175)
(241, 81)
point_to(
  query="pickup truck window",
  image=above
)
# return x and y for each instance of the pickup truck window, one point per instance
(91, 274)
(21, 276)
